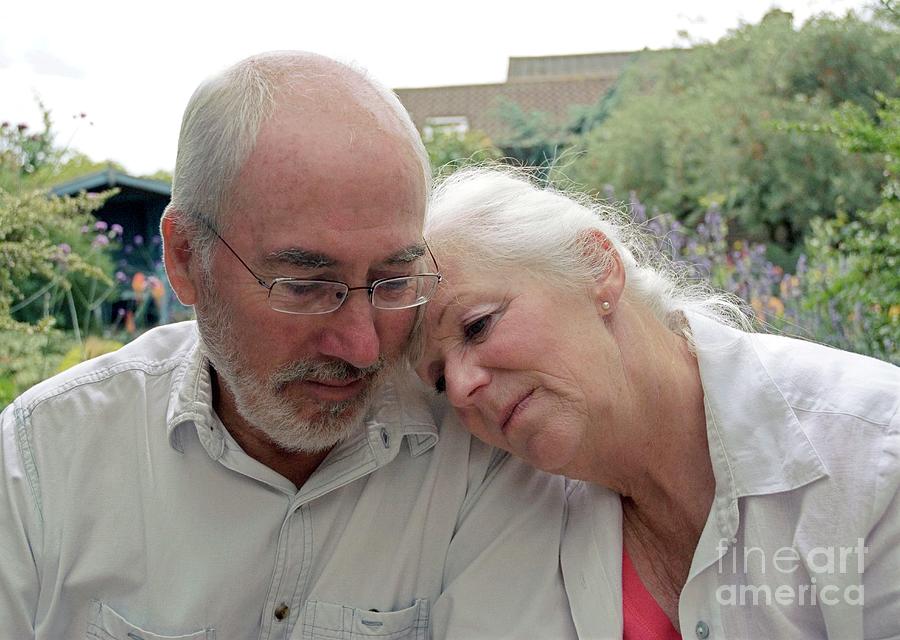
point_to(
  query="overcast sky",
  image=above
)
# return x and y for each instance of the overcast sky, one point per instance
(131, 70)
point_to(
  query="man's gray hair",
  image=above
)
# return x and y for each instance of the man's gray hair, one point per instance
(498, 219)
(221, 123)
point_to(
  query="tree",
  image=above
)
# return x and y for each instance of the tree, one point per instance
(50, 276)
(713, 125)
(450, 150)
(55, 263)
(24, 152)
(855, 277)
(30, 159)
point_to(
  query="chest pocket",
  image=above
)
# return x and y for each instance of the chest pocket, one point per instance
(105, 624)
(327, 621)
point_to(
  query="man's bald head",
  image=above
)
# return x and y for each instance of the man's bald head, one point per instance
(225, 114)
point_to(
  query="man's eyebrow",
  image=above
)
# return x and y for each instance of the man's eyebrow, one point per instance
(299, 258)
(406, 255)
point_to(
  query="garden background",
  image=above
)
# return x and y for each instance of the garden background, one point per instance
(769, 161)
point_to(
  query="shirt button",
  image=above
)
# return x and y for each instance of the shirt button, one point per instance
(702, 630)
(282, 611)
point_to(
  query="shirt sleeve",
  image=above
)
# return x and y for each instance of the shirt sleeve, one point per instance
(881, 579)
(19, 518)
(502, 576)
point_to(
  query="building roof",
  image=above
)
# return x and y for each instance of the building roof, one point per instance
(107, 179)
(553, 85)
(479, 103)
(605, 65)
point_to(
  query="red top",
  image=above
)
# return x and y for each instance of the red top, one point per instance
(643, 618)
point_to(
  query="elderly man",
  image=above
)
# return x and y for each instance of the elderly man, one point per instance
(268, 471)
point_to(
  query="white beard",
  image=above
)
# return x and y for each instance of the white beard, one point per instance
(262, 401)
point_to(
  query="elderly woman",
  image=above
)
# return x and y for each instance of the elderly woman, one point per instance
(726, 484)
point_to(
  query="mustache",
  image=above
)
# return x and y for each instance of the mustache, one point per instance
(319, 371)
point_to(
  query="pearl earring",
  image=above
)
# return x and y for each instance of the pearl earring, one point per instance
(605, 305)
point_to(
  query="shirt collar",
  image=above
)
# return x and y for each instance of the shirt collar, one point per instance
(400, 410)
(756, 443)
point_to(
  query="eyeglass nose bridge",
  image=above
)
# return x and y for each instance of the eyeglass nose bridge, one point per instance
(370, 289)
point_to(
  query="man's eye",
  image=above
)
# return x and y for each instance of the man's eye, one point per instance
(477, 329)
(300, 289)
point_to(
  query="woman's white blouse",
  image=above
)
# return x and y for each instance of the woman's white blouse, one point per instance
(803, 538)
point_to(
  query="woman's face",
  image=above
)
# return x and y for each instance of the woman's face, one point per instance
(520, 360)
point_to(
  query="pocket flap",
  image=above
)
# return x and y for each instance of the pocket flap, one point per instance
(105, 624)
(327, 620)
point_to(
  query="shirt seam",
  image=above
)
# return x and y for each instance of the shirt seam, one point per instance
(732, 497)
(24, 443)
(94, 377)
(24, 414)
(872, 421)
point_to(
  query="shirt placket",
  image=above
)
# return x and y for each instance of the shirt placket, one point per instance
(293, 562)
(296, 552)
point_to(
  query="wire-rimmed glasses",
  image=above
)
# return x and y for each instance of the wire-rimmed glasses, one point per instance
(308, 297)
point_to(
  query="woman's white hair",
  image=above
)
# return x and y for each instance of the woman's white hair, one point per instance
(497, 219)
(222, 120)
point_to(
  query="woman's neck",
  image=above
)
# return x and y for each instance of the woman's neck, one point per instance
(650, 443)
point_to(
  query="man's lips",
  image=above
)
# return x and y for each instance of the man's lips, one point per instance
(336, 390)
(514, 408)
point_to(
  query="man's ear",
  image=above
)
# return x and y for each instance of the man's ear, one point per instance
(177, 252)
(607, 289)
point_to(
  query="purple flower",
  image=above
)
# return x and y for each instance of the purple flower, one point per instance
(116, 229)
(121, 277)
(638, 210)
(128, 249)
(100, 225)
(100, 241)
(155, 240)
(138, 240)
(85, 229)
(65, 248)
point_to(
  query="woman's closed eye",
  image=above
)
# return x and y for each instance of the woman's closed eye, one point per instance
(477, 330)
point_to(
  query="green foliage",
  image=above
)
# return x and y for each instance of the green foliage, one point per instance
(92, 348)
(708, 125)
(24, 152)
(29, 356)
(449, 150)
(855, 285)
(30, 159)
(54, 274)
(162, 175)
(53, 260)
(74, 165)
(533, 139)
(856, 279)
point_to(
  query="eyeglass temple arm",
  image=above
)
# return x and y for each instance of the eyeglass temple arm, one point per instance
(234, 253)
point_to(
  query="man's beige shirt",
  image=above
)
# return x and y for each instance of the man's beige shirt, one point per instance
(129, 512)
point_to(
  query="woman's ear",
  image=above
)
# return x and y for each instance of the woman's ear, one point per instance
(609, 285)
(177, 258)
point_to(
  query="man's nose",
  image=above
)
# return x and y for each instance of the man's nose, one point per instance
(351, 334)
